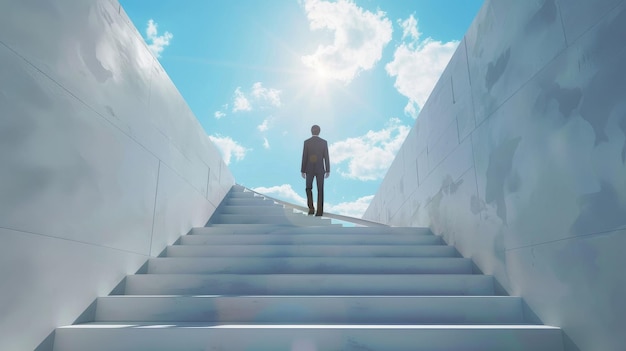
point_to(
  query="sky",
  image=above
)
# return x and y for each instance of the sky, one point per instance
(259, 73)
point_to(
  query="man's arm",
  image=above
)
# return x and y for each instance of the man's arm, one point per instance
(304, 160)
(326, 160)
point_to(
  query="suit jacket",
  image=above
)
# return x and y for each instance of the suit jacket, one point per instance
(315, 156)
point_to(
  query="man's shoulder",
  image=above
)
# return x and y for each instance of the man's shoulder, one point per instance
(315, 140)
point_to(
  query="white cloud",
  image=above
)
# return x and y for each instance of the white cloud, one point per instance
(359, 38)
(269, 95)
(266, 143)
(417, 65)
(157, 43)
(229, 148)
(258, 97)
(241, 102)
(219, 114)
(369, 156)
(409, 28)
(352, 209)
(283, 192)
(263, 127)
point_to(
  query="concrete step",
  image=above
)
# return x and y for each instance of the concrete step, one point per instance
(203, 336)
(308, 265)
(333, 229)
(285, 226)
(309, 284)
(214, 228)
(306, 239)
(242, 194)
(283, 218)
(311, 251)
(248, 201)
(265, 210)
(312, 309)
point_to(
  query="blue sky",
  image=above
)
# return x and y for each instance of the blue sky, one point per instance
(257, 74)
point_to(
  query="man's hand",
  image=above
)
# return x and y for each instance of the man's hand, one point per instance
(303, 175)
(327, 175)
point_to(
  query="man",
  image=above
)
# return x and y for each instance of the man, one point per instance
(315, 164)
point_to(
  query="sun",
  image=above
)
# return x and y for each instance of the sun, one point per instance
(321, 79)
(321, 74)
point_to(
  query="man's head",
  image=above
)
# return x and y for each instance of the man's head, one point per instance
(315, 130)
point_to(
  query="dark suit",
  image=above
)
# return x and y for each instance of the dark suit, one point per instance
(315, 163)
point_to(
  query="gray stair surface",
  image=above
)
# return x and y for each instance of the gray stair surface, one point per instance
(260, 276)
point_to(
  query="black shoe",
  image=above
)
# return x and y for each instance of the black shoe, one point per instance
(318, 215)
(311, 212)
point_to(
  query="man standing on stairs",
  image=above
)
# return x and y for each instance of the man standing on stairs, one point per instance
(315, 164)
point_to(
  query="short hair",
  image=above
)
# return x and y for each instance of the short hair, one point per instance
(315, 130)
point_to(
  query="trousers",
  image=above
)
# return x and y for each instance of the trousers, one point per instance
(319, 177)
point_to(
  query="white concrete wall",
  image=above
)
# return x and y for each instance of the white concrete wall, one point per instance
(102, 163)
(519, 159)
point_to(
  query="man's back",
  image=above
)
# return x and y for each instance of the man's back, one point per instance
(315, 156)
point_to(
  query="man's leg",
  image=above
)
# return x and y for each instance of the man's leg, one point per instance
(309, 192)
(320, 193)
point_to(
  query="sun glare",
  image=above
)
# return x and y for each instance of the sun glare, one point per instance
(321, 74)
(320, 81)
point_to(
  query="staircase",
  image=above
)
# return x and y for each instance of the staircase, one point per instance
(261, 277)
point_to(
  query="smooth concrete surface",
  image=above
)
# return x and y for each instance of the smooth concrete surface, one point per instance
(311, 250)
(309, 284)
(320, 239)
(433, 310)
(263, 337)
(302, 265)
(103, 163)
(518, 159)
